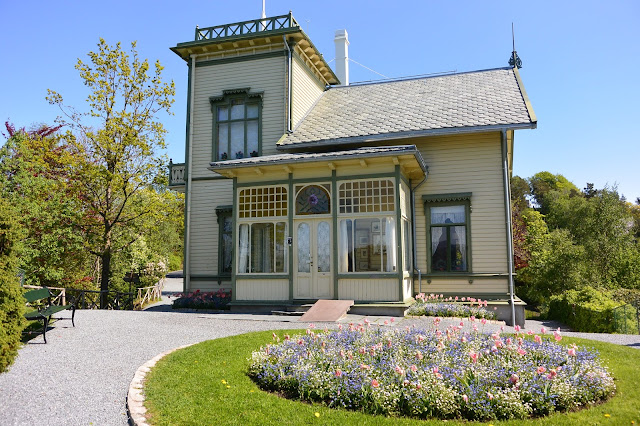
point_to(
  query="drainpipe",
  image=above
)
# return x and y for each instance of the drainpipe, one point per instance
(187, 238)
(413, 232)
(289, 118)
(507, 206)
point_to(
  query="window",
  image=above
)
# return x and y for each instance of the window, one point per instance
(236, 124)
(448, 224)
(367, 231)
(313, 199)
(225, 245)
(262, 230)
(262, 248)
(367, 245)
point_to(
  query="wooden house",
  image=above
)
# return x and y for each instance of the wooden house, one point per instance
(302, 187)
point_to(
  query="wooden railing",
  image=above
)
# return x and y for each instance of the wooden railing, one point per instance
(176, 173)
(254, 26)
(115, 300)
(149, 294)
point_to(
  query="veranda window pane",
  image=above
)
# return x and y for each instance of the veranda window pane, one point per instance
(458, 248)
(345, 251)
(281, 253)
(243, 256)
(237, 140)
(262, 247)
(448, 214)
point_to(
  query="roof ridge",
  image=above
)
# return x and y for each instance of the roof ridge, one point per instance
(410, 78)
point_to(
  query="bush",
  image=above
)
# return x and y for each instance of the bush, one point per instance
(588, 310)
(199, 300)
(12, 304)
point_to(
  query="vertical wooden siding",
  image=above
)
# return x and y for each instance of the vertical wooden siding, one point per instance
(369, 289)
(262, 289)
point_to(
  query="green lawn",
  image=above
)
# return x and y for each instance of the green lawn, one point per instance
(207, 384)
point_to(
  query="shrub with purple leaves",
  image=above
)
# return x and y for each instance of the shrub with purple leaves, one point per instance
(203, 300)
(447, 374)
(434, 305)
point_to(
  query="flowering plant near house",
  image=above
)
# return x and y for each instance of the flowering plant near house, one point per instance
(434, 305)
(448, 373)
(203, 300)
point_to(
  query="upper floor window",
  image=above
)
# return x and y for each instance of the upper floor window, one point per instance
(236, 124)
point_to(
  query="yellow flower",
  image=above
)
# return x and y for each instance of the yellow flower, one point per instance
(251, 390)
(224, 382)
(607, 415)
(317, 414)
(228, 387)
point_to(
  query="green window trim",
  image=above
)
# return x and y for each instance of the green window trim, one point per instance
(221, 109)
(225, 228)
(446, 200)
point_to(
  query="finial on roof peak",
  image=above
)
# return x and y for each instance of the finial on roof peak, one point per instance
(514, 60)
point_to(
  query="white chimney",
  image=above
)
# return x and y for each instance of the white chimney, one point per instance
(341, 41)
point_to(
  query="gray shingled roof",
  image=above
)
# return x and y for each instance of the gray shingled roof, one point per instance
(300, 157)
(473, 101)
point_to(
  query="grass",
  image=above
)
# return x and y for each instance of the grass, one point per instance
(207, 384)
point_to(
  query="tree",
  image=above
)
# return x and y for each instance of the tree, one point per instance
(544, 182)
(11, 301)
(35, 177)
(118, 139)
(520, 193)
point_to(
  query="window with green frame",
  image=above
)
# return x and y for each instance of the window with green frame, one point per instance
(236, 124)
(225, 240)
(448, 223)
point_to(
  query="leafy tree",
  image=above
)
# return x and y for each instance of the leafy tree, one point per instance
(543, 182)
(11, 302)
(118, 139)
(520, 193)
(34, 176)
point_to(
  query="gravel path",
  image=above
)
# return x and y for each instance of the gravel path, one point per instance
(82, 375)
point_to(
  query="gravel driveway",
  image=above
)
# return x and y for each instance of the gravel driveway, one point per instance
(82, 375)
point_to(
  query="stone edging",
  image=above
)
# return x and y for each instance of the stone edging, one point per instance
(136, 410)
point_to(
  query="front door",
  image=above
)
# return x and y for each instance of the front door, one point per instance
(312, 259)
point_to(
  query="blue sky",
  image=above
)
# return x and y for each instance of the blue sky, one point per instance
(580, 62)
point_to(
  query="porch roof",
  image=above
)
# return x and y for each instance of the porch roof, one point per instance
(477, 101)
(406, 156)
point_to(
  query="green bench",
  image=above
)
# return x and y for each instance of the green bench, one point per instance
(47, 311)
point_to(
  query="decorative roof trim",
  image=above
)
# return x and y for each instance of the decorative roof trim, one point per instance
(439, 198)
(242, 91)
(525, 98)
(382, 151)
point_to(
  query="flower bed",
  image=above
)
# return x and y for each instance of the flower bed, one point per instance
(199, 300)
(435, 305)
(448, 374)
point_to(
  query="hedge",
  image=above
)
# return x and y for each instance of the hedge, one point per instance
(588, 310)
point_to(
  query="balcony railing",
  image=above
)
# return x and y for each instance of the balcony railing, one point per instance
(255, 26)
(176, 174)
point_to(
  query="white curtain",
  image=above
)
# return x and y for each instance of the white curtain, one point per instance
(243, 259)
(344, 247)
(390, 241)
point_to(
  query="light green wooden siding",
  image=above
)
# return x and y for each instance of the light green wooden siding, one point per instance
(262, 289)
(207, 195)
(262, 75)
(369, 289)
(467, 163)
(306, 90)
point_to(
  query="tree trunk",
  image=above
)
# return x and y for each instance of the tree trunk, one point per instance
(104, 280)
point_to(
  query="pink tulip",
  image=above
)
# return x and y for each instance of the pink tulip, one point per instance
(375, 383)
